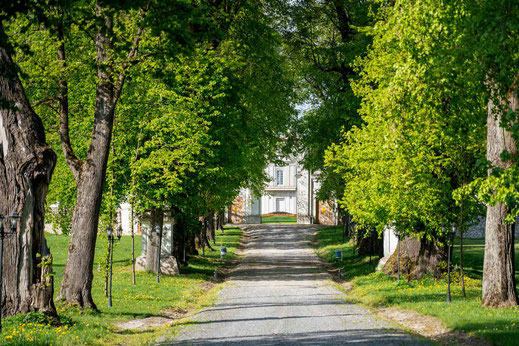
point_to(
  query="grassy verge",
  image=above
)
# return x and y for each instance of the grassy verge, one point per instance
(279, 219)
(147, 298)
(427, 296)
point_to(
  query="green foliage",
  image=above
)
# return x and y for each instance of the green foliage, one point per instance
(424, 110)
(223, 110)
(502, 186)
(206, 100)
(323, 39)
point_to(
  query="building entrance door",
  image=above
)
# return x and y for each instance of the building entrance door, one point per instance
(280, 204)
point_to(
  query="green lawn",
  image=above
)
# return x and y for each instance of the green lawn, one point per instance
(473, 250)
(279, 219)
(147, 298)
(427, 296)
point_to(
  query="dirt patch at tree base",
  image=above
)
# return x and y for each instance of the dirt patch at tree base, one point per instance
(176, 314)
(429, 327)
(168, 317)
(145, 323)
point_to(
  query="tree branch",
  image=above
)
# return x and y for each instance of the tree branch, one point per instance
(132, 54)
(70, 157)
(343, 21)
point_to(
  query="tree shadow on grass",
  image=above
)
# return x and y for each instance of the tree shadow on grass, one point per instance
(496, 333)
(135, 331)
(473, 254)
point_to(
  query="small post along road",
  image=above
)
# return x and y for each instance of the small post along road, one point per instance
(280, 294)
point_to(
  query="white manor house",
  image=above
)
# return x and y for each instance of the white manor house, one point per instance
(291, 189)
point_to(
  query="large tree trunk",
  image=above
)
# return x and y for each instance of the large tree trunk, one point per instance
(190, 245)
(499, 288)
(178, 240)
(26, 165)
(370, 243)
(220, 220)
(207, 232)
(152, 245)
(211, 228)
(184, 241)
(346, 225)
(90, 174)
(418, 257)
(77, 279)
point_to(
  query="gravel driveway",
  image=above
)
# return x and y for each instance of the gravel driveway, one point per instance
(280, 294)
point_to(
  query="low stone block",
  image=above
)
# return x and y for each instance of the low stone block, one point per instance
(168, 265)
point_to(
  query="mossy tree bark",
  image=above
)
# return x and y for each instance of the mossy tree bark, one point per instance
(155, 231)
(26, 166)
(369, 243)
(499, 288)
(418, 257)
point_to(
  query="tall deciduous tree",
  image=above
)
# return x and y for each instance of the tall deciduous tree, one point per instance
(423, 114)
(119, 35)
(491, 41)
(90, 172)
(499, 287)
(26, 166)
(323, 39)
(223, 111)
(496, 41)
(435, 74)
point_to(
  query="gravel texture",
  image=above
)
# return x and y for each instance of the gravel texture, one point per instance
(281, 294)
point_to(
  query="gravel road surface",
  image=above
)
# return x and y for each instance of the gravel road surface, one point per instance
(281, 294)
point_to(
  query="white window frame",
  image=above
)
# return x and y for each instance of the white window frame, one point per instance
(279, 173)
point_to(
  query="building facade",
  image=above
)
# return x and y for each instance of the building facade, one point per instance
(280, 193)
(291, 189)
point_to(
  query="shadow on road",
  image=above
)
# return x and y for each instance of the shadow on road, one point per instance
(279, 295)
(346, 337)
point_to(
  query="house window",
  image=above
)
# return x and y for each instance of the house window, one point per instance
(279, 177)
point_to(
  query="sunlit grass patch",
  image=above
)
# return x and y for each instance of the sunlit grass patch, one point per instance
(330, 239)
(428, 295)
(147, 298)
(284, 219)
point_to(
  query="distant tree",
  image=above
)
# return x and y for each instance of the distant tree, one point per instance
(323, 40)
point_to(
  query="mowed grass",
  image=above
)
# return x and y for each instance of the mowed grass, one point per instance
(279, 219)
(147, 298)
(427, 296)
(473, 250)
